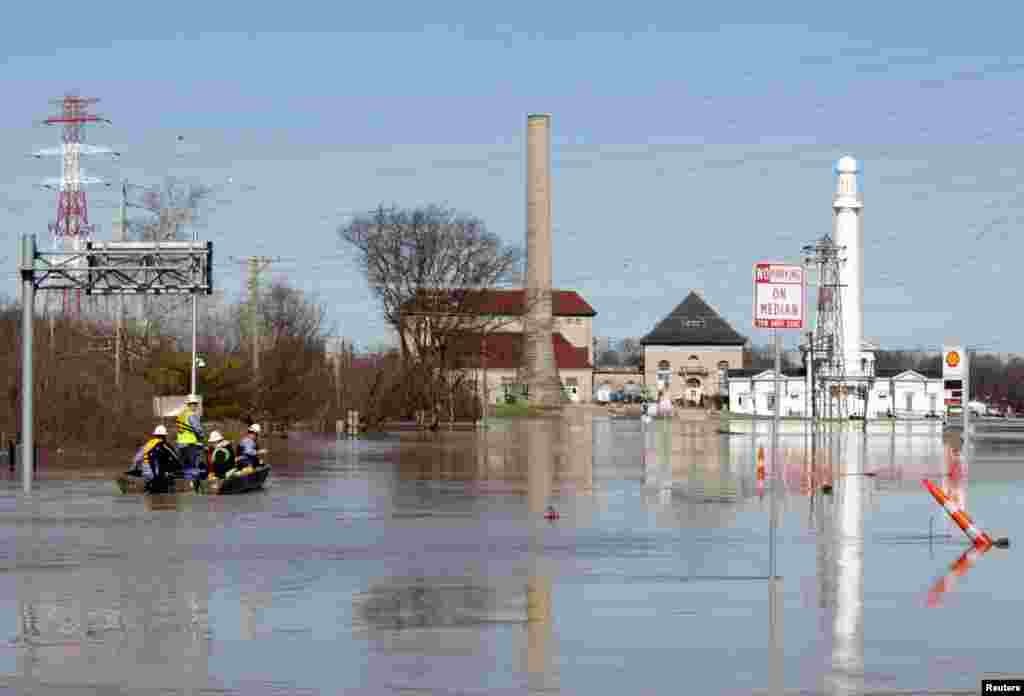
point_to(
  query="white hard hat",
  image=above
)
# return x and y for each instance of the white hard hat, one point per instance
(160, 430)
(192, 399)
(215, 436)
(255, 428)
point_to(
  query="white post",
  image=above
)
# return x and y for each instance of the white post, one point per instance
(28, 296)
(776, 458)
(966, 400)
(776, 652)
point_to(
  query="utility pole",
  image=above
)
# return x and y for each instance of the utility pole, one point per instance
(810, 372)
(340, 357)
(256, 264)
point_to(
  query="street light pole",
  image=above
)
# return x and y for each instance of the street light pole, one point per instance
(195, 320)
(120, 306)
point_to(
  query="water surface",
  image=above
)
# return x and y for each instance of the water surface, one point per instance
(423, 564)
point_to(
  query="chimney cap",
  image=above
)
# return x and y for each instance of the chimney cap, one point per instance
(847, 165)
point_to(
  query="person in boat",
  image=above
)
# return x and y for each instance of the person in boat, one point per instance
(222, 456)
(158, 461)
(190, 438)
(248, 448)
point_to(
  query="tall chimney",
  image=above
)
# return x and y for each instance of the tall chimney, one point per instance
(540, 372)
(847, 206)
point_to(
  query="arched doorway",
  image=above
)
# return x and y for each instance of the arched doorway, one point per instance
(664, 375)
(693, 391)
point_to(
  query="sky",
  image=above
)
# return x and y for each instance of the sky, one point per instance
(689, 142)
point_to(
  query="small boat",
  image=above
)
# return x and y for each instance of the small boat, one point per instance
(132, 482)
(250, 480)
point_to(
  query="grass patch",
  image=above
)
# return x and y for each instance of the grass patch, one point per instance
(519, 409)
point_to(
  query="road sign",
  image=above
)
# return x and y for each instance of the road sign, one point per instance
(778, 296)
(952, 362)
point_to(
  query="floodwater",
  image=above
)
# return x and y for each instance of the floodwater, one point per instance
(422, 564)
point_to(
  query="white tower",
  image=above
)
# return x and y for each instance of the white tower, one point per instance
(847, 206)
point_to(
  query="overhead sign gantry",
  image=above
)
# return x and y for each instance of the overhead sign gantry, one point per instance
(102, 268)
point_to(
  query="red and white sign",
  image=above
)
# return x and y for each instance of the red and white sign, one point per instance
(778, 296)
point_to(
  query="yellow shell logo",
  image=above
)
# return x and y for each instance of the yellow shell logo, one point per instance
(952, 358)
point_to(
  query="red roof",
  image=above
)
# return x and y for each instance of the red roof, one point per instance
(565, 303)
(505, 350)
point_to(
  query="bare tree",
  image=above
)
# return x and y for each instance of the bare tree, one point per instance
(430, 268)
(294, 378)
(167, 212)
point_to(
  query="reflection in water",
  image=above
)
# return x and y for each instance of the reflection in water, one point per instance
(847, 674)
(421, 602)
(954, 477)
(252, 605)
(539, 437)
(958, 569)
(548, 460)
(425, 562)
(73, 628)
(501, 460)
(538, 628)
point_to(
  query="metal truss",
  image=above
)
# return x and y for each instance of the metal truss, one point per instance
(125, 268)
(102, 268)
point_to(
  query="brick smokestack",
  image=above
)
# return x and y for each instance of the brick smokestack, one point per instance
(539, 371)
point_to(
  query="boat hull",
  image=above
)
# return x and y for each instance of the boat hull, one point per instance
(232, 485)
(132, 483)
(129, 483)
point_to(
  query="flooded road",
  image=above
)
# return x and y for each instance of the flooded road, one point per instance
(421, 564)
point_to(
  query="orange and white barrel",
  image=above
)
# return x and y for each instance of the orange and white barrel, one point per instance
(962, 519)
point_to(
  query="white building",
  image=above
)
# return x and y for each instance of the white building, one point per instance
(867, 391)
(900, 394)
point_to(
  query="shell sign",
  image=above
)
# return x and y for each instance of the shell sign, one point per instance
(953, 362)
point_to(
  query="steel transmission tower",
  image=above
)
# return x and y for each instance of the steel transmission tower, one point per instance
(826, 345)
(71, 228)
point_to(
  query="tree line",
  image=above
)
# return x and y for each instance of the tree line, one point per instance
(78, 398)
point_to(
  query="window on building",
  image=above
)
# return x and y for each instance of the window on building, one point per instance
(771, 401)
(693, 383)
(723, 364)
(863, 364)
(664, 374)
(693, 357)
(693, 323)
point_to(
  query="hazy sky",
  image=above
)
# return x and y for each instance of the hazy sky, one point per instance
(689, 141)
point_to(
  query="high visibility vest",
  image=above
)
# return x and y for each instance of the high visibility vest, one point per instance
(186, 435)
(147, 450)
(221, 458)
